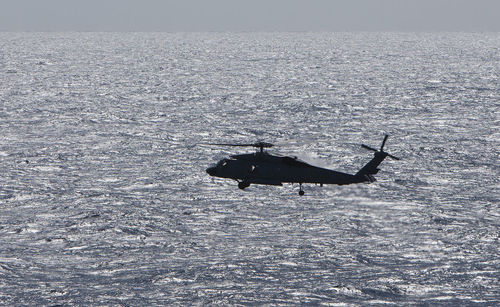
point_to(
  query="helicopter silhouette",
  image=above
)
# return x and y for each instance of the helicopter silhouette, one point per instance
(268, 169)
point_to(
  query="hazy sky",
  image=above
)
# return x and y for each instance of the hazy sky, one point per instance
(250, 15)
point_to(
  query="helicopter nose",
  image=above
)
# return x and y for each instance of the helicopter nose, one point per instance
(211, 171)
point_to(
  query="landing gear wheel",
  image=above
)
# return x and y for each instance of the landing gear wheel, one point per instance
(243, 185)
(301, 192)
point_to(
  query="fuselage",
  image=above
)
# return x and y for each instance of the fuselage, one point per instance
(263, 168)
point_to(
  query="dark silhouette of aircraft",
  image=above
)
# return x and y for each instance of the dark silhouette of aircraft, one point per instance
(264, 168)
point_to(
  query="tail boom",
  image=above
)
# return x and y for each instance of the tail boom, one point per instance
(371, 167)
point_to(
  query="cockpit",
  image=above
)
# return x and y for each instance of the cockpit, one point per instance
(212, 170)
(222, 163)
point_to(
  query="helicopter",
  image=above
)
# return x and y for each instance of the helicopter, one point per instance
(264, 168)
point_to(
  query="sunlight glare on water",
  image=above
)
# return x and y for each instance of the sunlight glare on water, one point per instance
(104, 199)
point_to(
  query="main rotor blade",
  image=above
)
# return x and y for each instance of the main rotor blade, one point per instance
(368, 147)
(257, 144)
(262, 144)
(395, 158)
(227, 144)
(383, 142)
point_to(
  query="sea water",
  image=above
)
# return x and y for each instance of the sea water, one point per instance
(104, 199)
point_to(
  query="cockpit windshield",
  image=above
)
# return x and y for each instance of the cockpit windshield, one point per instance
(222, 163)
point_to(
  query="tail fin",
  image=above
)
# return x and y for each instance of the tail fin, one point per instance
(370, 168)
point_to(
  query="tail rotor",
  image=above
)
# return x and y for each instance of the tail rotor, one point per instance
(370, 169)
(381, 148)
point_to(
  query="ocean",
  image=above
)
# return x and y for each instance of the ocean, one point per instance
(104, 198)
